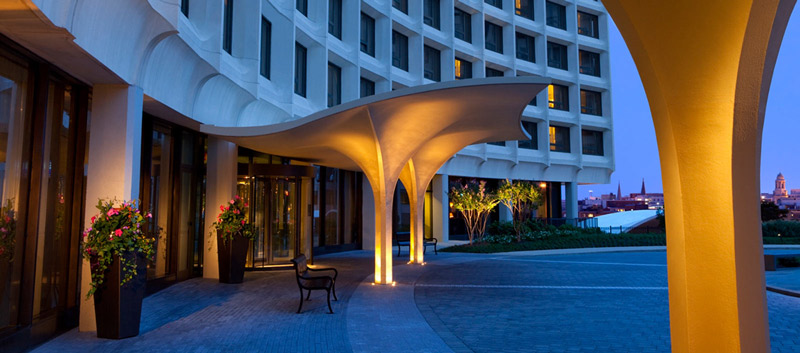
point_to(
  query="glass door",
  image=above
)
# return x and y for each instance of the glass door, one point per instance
(283, 219)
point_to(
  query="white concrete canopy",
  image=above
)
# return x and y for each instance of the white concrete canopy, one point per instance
(406, 134)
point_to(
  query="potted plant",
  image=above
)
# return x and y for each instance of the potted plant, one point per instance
(8, 227)
(117, 249)
(233, 238)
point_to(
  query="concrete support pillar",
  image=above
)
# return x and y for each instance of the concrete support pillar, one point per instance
(571, 196)
(416, 198)
(504, 213)
(114, 162)
(367, 216)
(220, 188)
(383, 233)
(441, 207)
(554, 191)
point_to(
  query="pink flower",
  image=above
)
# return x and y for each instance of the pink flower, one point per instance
(149, 215)
(112, 212)
(118, 232)
(242, 222)
(227, 208)
(246, 205)
(232, 202)
(236, 197)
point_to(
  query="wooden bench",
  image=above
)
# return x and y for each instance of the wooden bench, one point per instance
(771, 261)
(309, 283)
(404, 239)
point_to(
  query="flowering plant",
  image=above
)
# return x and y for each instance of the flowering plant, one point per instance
(233, 220)
(8, 227)
(116, 230)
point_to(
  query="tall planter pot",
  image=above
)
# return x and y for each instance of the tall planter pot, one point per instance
(231, 255)
(117, 307)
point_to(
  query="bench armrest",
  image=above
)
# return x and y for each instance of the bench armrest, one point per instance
(434, 240)
(335, 273)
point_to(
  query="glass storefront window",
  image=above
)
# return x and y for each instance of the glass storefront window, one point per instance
(331, 206)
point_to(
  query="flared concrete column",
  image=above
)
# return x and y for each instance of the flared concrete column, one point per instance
(114, 162)
(571, 196)
(416, 198)
(441, 207)
(383, 199)
(220, 188)
(706, 69)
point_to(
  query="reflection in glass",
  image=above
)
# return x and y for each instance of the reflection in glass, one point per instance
(331, 206)
(283, 218)
(160, 201)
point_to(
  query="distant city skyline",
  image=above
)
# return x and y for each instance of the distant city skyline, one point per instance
(636, 150)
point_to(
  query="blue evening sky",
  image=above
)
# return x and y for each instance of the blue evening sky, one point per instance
(635, 140)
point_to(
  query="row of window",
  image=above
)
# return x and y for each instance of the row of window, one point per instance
(591, 140)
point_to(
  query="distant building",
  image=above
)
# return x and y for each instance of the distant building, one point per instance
(780, 187)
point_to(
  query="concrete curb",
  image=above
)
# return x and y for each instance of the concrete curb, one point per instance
(784, 291)
(584, 250)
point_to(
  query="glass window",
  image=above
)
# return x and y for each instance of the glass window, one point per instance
(399, 51)
(300, 69)
(334, 85)
(367, 88)
(463, 69)
(185, 7)
(367, 34)
(525, 48)
(591, 102)
(227, 33)
(490, 72)
(524, 8)
(494, 37)
(496, 3)
(556, 15)
(589, 63)
(335, 18)
(431, 13)
(592, 142)
(588, 25)
(331, 206)
(557, 56)
(302, 6)
(463, 25)
(559, 139)
(558, 97)
(532, 129)
(266, 43)
(433, 64)
(401, 5)
(497, 143)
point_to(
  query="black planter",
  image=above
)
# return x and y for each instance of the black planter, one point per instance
(231, 255)
(118, 308)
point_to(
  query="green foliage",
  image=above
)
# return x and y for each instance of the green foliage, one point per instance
(115, 230)
(475, 203)
(521, 198)
(561, 239)
(780, 228)
(8, 231)
(770, 211)
(232, 220)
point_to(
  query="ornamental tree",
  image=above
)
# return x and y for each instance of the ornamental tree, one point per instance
(474, 203)
(521, 198)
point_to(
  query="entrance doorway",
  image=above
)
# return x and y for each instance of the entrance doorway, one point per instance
(274, 213)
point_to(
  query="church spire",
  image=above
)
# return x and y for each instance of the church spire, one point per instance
(619, 190)
(643, 191)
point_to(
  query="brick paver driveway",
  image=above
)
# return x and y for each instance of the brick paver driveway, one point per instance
(607, 302)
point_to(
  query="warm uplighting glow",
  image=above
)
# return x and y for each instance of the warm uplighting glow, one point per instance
(543, 185)
(451, 214)
(591, 215)
(373, 283)
(394, 283)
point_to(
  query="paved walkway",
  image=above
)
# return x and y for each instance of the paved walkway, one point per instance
(517, 302)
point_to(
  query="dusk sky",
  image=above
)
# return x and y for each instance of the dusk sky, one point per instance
(635, 140)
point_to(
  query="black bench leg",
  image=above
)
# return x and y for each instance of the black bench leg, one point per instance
(308, 296)
(301, 301)
(334, 291)
(329, 302)
(398, 250)
(434, 249)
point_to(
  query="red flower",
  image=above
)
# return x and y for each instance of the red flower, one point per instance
(93, 218)
(118, 232)
(242, 222)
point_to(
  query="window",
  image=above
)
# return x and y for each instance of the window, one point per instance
(533, 102)
(185, 7)
(558, 97)
(302, 6)
(524, 8)
(401, 5)
(463, 69)
(334, 85)
(494, 37)
(335, 18)
(591, 102)
(367, 88)
(525, 48)
(433, 64)
(227, 32)
(463, 26)
(588, 25)
(557, 56)
(367, 35)
(490, 72)
(592, 142)
(556, 15)
(559, 139)
(300, 69)
(266, 43)
(496, 3)
(532, 129)
(431, 16)
(589, 63)
(399, 51)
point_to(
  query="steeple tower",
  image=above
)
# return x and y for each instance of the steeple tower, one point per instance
(643, 191)
(780, 187)
(619, 190)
